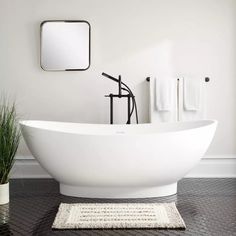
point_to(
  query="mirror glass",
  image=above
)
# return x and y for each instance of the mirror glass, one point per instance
(65, 45)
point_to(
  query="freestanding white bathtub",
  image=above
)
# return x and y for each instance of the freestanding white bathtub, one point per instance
(118, 161)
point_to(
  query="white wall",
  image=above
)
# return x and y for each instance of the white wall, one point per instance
(134, 38)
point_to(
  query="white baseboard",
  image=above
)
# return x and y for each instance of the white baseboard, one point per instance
(28, 168)
(218, 167)
(214, 168)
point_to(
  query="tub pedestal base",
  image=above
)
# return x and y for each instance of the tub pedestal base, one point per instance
(118, 192)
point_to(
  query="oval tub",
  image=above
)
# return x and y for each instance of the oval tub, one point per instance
(118, 161)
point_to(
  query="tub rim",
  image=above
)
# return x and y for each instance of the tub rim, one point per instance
(170, 127)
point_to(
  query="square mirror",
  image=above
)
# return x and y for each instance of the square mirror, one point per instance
(65, 45)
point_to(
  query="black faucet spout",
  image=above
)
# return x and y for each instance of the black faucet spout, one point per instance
(110, 77)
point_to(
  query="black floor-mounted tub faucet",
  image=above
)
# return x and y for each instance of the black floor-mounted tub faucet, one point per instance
(129, 95)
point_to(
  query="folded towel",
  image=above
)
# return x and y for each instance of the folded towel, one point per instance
(156, 116)
(192, 94)
(197, 110)
(164, 94)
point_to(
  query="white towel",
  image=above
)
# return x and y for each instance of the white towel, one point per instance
(192, 94)
(168, 110)
(164, 94)
(193, 108)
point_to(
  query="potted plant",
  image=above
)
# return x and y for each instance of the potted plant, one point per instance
(9, 142)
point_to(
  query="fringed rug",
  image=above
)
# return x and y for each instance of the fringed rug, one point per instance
(118, 215)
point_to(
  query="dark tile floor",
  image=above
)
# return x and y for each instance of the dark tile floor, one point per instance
(208, 207)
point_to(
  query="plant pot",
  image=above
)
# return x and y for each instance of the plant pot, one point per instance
(4, 193)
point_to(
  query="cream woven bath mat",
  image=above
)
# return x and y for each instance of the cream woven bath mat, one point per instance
(118, 215)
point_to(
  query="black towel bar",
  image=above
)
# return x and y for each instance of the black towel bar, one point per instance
(207, 79)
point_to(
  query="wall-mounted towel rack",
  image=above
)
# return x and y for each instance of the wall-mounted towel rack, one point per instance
(207, 79)
(178, 101)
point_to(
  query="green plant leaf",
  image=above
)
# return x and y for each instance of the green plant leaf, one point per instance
(9, 139)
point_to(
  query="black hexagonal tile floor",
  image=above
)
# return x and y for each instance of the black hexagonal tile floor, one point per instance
(208, 207)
